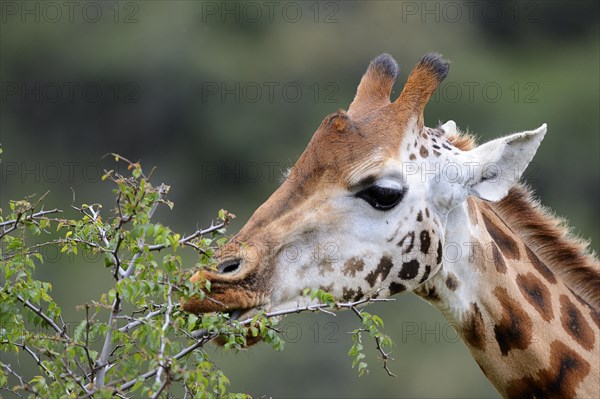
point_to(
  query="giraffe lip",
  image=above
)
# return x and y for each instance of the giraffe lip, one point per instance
(244, 314)
(241, 314)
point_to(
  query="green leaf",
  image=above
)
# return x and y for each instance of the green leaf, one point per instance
(108, 262)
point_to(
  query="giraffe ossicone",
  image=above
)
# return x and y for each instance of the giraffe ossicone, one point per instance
(379, 204)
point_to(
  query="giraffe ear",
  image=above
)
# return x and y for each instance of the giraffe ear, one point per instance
(495, 166)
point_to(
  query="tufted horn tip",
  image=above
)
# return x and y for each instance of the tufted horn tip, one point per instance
(435, 64)
(421, 83)
(386, 65)
(375, 86)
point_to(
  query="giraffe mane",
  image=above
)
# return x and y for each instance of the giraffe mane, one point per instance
(550, 238)
(462, 141)
(547, 235)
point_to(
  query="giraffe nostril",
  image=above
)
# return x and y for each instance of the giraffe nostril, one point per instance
(229, 266)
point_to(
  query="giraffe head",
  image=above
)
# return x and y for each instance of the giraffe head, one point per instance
(363, 211)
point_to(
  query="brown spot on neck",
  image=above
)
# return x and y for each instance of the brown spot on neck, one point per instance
(498, 259)
(420, 216)
(595, 315)
(359, 294)
(575, 324)
(325, 267)
(352, 266)
(514, 330)
(423, 152)
(326, 288)
(472, 208)
(382, 269)
(546, 235)
(348, 294)
(451, 282)
(476, 254)
(507, 245)
(473, 330)
(560, 380)
(540, 266)
(537, 294)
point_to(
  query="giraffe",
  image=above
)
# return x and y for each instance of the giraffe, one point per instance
(379, 204)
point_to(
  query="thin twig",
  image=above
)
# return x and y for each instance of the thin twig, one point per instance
(14, 223)
(36, 215)
(32, 249)
(153, 372)
(75, 377)
(385, 356)
(86, 346)
(22, 382)
(36, 358)
(13, 392)
(127, 161)
(186, 240)
(162, 388)
(137, 322)
(61, 331)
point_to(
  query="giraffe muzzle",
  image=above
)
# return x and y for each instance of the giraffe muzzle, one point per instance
(232, 290)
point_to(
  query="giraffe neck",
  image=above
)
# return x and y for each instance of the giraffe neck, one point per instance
(529, 332)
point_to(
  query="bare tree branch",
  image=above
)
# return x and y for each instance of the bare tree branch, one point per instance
(203, 336)
(153, 372)
(137, 322)
(33, 216)
(162, 388)
(165, 326)
(35, 358)
(102, 362)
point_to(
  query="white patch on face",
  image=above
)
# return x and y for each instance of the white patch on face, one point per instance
(457, 302)
(398, 248)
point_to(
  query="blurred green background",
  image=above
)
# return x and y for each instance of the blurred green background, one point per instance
(223, 97)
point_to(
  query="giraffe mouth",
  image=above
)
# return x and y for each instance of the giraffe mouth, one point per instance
(233, 295)
(238, 305)
(242, 316)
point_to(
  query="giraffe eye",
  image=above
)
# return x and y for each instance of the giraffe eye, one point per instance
(382, 198)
